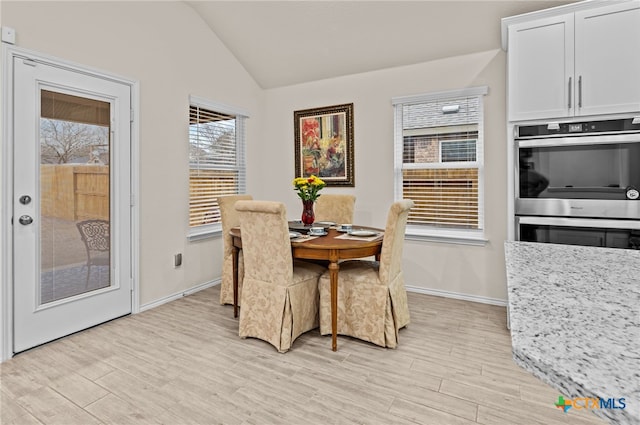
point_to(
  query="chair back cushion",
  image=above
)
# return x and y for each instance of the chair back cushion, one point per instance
(391, 254)
(265, 241)
(229, 217)
(336, 208)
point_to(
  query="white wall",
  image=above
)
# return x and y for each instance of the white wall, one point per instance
(172, 53)
(471, 270)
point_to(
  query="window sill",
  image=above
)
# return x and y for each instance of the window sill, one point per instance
(451, 237)
(198, 234)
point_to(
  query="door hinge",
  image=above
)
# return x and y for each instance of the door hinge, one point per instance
(131, 115)
(132, 200)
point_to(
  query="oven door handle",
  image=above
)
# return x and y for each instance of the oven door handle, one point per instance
(603, 139)
(579, 222)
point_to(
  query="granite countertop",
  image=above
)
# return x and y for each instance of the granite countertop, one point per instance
(575, 321)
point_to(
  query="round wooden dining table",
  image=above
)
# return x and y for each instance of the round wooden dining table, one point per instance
(332, 248)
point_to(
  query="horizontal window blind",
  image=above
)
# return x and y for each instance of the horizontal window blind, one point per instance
(443, 198)
(439, 160)
(441, 112)
(216, 162)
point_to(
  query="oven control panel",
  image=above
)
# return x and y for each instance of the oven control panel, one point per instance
(578, 128)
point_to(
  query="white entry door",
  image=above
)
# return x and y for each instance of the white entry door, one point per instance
(71, 206)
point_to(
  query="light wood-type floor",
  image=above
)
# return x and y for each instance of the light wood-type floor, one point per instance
(183, 363)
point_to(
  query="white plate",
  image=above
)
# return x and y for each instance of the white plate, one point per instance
(363, 233)
(294, 235)
(317, 234)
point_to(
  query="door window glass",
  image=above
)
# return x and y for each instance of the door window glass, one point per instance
(74, 195)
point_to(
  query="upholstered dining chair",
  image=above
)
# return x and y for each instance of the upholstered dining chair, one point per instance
(372, 301)
(336, 208)
(280, 296)
(230, 219)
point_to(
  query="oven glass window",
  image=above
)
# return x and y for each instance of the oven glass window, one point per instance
(579, 172)
(602, 237)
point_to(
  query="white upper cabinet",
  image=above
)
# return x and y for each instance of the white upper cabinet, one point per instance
(575, 64)
(541, 68)
(608, 59)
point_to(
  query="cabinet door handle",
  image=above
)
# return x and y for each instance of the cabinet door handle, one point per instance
(580, 91)
(569, 105)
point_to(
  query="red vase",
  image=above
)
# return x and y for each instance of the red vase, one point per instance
(308, 215)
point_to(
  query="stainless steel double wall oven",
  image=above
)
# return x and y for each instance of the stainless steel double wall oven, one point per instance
(579, 182)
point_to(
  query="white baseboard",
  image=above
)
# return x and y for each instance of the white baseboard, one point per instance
(456, 295)
(178, 295)
(417, 289)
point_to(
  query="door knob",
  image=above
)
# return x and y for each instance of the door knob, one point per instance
(25, 219)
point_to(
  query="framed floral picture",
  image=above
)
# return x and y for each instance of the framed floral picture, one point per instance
(324, 144)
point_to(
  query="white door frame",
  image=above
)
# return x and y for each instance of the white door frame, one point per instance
(6, 184)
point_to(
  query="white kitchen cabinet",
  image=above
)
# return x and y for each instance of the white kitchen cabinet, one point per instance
(540, 63)
(575, 64)
(607, 59)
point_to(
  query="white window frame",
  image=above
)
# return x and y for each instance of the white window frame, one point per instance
(431, 233)
(215, 229)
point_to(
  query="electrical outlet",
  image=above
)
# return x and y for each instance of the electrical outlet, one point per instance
(177, 260)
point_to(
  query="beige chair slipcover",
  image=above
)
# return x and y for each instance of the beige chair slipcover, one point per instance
(372, 301)
(336, 208)
(230, 219)
(280, 296)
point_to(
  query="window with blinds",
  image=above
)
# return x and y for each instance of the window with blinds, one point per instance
(216, 162)
(439, 161)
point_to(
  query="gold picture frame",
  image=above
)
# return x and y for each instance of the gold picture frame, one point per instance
(324, 144)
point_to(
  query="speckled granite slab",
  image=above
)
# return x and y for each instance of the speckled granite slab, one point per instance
(575, 320)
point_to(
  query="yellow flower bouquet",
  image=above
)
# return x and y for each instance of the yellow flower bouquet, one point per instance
(308, 187)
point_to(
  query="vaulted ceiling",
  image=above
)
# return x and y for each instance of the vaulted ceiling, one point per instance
(282, 43)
